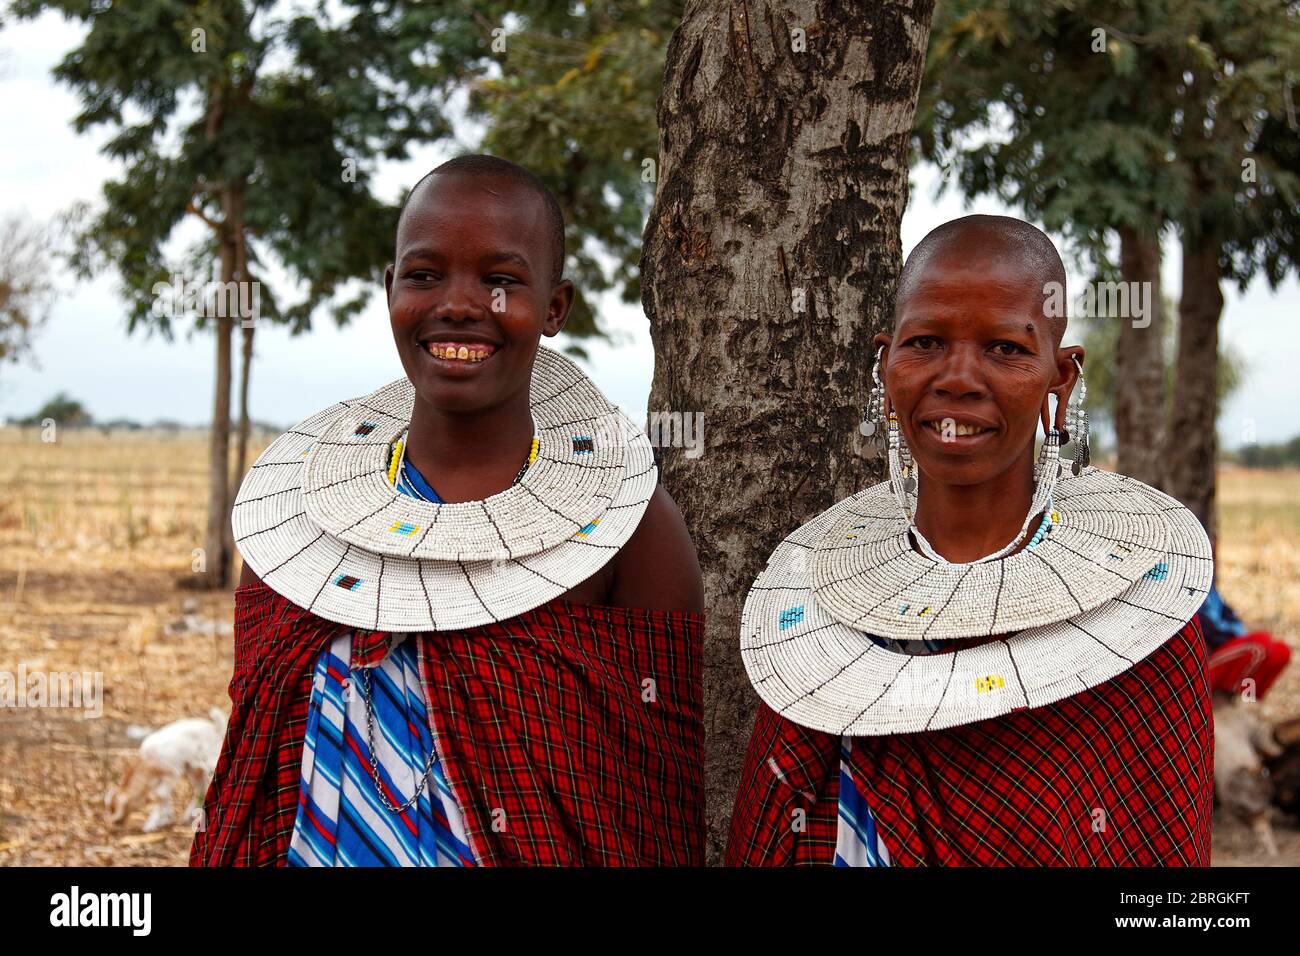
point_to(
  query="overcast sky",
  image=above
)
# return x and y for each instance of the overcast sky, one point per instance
(85, 351)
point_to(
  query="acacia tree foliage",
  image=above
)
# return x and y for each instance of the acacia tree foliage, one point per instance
(1108, 119)
(243, 120)
(574, 101)
(265, 122)
(65, 411)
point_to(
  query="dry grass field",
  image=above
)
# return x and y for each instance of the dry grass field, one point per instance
(96, 536)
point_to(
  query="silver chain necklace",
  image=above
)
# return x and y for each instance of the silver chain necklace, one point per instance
(374, 761)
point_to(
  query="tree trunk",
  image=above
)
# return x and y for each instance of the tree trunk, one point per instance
(771, 258)
(245, 369)
(1140, 365)
(220, 544)
(1193, 439)
(218, 555)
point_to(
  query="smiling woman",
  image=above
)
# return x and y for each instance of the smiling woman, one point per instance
(514, 588)
(987, 633)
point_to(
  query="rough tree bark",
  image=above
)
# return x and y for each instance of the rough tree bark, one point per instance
(242, 432)
(216, 557)
(771, 257)
(1139, 367)
(245, 370)
(1193, 442)
(219, 553)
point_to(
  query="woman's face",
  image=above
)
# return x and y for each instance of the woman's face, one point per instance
(969, 366)
(473, 271)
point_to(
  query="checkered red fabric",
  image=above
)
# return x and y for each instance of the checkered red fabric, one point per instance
(572, 734)
(1118, 775)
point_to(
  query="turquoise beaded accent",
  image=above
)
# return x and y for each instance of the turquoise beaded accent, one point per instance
(1159, 572)
(1043, 528)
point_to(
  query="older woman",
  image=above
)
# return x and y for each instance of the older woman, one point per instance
(992, 657)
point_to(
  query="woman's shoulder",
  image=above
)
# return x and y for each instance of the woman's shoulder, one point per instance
(657, 567)
(248, 577)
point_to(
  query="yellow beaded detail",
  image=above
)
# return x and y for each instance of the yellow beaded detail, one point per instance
(397, 456)
(989, 683)
(392, 465)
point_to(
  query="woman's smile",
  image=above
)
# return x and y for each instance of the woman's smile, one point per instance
(956, 432)
(458, 357)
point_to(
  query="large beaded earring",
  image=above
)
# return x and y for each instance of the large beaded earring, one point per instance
(872, 427)
(1046, 471)
(902, 470)
(1076, 422)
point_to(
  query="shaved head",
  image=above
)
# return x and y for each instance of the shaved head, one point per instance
(493, 167)
(979, 241)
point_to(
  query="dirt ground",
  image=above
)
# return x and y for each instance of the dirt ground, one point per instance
(89, 583)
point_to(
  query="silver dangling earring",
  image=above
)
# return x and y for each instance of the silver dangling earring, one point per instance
(1076, 422)
(873, 421)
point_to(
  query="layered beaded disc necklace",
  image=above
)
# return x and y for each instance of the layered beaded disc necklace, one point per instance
(321, 519)
(829, 629)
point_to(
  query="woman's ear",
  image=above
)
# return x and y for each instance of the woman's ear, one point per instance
(1067, 377)
(1045, 413)
(881, 340)
(557, 309)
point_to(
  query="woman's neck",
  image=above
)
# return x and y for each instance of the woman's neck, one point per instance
(966, 522)
(469, 456)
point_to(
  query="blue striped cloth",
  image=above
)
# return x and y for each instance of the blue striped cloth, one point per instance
(857, 841)
(411, 482)
(341, 819)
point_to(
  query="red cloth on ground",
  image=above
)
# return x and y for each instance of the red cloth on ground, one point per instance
(1019, 790)
(1258, 656)
(548, 744)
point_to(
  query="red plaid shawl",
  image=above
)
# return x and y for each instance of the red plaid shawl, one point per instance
(1019, 790)
(546, 738)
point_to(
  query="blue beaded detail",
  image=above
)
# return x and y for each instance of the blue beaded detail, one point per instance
(1159, 572)
(1044, 527)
